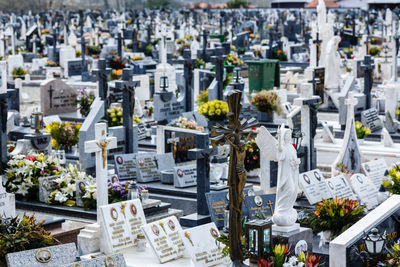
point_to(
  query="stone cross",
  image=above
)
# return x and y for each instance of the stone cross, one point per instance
(368, 66)
(350, 154)
(188, 75)
(309, 122)
(204, 35)
(219, 60)
(236, 134)
(55, 58)
(102, 77)
(128, 106)
(85, 72)
(119, 38)
(201, 154)
(99, 146)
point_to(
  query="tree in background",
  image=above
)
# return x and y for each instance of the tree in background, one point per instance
(237, 4)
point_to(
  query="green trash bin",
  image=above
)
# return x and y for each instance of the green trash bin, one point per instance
(221, 37)
(263, 74)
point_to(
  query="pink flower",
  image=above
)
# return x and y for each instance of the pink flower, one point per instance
(31, 158)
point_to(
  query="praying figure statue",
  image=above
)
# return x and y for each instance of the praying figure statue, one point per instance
(285, 154)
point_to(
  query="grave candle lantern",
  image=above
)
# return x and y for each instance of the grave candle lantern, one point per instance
(375, 242)
(133, 191)
(258, 239)
(164, 83)
(37, 122)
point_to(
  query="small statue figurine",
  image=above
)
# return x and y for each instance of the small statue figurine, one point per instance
(282, 150)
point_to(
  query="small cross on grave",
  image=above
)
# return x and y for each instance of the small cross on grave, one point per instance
(173, 141)
(270, 206)
(128, 106)
(317, 43)
(100, 145)
(368, 66)
(201, 154)
(101, 75)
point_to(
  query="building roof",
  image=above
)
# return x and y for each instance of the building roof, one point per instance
(328, 4)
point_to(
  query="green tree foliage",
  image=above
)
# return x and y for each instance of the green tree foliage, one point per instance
(237, 3)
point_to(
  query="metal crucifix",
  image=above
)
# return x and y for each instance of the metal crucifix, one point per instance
(236, 134)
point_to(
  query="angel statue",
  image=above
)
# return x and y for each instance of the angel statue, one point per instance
(282, 150)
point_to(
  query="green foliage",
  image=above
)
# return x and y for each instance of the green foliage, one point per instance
(19, 73)
(392, 181)
(84, 100)
(22, 234)
(335, 215)
(279, 54)
(252, 159)
(199, 64)
(361, 130)
(151, 4)
(93, 50)
(374, 51)
(237, 4)
(202, 97)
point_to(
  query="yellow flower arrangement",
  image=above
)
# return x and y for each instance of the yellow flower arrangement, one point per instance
(64, 134)
(116, 74)
(136, 58)
(392, 180)
(215, 110)
(361, 130)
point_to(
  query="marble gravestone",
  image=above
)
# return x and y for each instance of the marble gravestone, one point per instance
(160, 240)
(7, 202)
(217, 202)
(56, 97)
(255, 206)
(201, 243)
(375, 171)
(54, 256)
(365, 190)
(167, 109)
(125, 165)
(46, 186)
(113, 260)
(350, 243)
(122, 222)
(314, 186)
(147, 168)
(185, 176)
(74, 67)
(370, 118)
(339, 187)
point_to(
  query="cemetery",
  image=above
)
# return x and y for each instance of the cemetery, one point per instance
(200, 135)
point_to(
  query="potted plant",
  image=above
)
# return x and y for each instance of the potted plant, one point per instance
(362, 132)
(63, 135)
(231, 62)
(392, 180)
(116, 75)
(252, 159)
(19, 73)
(23, 172)
(333, 217)
(215, 111)
(84, 100)
(266, 102)
(93, 50)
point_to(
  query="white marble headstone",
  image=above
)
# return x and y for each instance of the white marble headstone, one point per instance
(339, 187)
(365, 190)
(375, 170)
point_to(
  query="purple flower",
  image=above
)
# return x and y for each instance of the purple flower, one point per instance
(82, 90)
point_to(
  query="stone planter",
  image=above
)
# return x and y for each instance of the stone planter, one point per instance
(264, 117)
(167, 176)
(253, 173)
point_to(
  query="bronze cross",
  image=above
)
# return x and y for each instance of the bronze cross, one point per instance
(236, 134)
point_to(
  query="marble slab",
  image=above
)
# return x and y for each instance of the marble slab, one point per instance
(339, 187)
(49, 256)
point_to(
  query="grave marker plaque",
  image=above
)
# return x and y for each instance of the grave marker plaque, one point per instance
(74, 67)
(339, 188)
(56, 97)
(260, 205)
(314, 186)
(185, 176)
(147, 168)
(375, 170)
(365, 190)
(370, 118)
(126, 166)
(122, 222)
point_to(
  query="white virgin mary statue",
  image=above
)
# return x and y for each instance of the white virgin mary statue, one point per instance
(285, 154)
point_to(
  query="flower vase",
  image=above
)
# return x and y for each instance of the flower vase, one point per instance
(326, 235)
(264, 116)
(253, 173)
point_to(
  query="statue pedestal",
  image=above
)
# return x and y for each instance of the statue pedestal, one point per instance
(286, 229)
